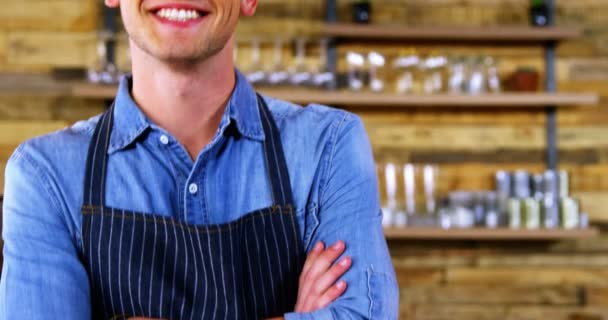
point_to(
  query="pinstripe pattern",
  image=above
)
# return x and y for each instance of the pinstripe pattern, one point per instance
(165, 268)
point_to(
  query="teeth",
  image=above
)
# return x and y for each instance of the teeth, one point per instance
(177, 15)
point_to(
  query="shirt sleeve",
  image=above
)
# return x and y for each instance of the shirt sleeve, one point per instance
(42, 276)
(349, 210)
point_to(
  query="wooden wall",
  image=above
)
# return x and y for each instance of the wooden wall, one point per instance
(438, 280)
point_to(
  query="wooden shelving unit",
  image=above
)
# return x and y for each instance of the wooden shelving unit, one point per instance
(480, 234)
(492, 35)
(44, 85)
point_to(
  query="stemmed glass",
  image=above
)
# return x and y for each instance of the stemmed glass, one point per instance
(300, 74)
(254, 72)
(103, 70)
(278, 74)
(323, 77)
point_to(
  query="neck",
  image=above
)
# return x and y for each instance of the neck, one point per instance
(187, 100)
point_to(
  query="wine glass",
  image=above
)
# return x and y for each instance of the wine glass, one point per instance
(254, 71)
(278, 74)
(323, 77)
(299, 74)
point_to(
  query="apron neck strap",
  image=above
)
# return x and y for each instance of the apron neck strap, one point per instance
(97, 161)
(275, 158)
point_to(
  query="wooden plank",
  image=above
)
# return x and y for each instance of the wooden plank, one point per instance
(3, 47)
(502, 156)
(418, 276)
(482, 138)
(60, 15)
(486, 35)
(15, 84)
(25, 108)
(595, 204)
(87, 90)
(420, 233)
(527, 276)
(51, 49)
(15, 132)
(490, 295)
(3, 169)
(556, 313)
(48, 108)
(537, 259)
(492, 116)
(596, 245)
(404, 259)
(454, 312)
(597, 296)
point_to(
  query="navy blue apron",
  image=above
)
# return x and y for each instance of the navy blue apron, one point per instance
(148, 265)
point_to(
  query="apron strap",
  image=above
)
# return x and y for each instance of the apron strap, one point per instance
(97, 161)
(275, 158)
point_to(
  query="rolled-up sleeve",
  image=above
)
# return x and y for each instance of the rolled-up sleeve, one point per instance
(349, 210)
(42, 276)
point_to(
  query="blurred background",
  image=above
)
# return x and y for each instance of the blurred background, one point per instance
(487, 119)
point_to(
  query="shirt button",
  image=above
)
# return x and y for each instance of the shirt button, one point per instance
(193, 188)
(164, 139)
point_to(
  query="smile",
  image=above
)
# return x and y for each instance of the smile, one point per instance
(180, 15)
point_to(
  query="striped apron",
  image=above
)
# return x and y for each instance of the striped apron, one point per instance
(143, 264)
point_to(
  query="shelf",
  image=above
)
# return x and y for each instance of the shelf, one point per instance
(362, 99)
(488, 234)
(45, 85)
(493, 35)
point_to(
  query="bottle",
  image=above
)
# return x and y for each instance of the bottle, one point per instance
(362, 11)
(539, 13)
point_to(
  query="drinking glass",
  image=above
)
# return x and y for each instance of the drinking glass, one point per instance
(278, 74)
(323, 77)
(299, 74)
(254, 71)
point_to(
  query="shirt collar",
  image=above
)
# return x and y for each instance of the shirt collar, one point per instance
(130, 122)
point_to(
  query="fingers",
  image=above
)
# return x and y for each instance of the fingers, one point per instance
(330, 295)
(312, 256)
(331, 276)
(318, 267)
(326, 259)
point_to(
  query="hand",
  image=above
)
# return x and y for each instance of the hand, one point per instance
(318, 286)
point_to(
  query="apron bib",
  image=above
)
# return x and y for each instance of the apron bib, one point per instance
(144, 264)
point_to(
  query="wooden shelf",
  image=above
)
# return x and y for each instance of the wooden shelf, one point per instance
(415, 233)
(45, 85)
(491, 35)
(367, 100)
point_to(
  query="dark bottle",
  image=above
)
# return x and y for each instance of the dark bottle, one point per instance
(362, 11)
(539, 13)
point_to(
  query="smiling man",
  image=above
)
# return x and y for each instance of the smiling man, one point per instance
(193, 197)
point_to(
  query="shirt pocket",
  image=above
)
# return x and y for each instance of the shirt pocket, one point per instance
(308, 221)
(383, 295)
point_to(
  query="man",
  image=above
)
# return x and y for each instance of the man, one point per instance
(153, 209)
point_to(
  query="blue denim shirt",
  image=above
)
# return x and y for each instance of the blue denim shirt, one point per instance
(332, 175)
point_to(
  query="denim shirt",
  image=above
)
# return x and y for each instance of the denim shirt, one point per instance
(329, 161)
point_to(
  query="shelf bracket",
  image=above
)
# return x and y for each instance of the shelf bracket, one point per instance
(551, 86)
(331, 16)
(110, 27)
